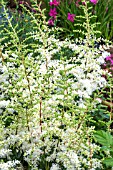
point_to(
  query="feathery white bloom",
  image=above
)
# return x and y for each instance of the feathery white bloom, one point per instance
(55, 167)
(4, 103)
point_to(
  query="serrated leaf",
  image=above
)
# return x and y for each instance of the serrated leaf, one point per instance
(108, 161)
(104, 138)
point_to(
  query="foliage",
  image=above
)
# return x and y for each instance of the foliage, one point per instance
(100, 15)
(106, 140)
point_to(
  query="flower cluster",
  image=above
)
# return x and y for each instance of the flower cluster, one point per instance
(56, 135)
(108, 63)
(48, 86)
(9, 165)
(53, 13)
(84, 3)
(70, 16)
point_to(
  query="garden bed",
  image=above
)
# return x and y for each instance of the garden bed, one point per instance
(56, 95)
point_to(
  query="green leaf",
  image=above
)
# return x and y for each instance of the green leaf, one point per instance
(104, 138)
(108, 161)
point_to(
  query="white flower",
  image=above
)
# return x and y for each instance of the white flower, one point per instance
(101, 60)
(14, 55)
(73, 158)
(8, 165)
(4, 152)
(55, 167)
(82, 105)
(98, 100)
(4, 103)
(43, 69)
(105, 54)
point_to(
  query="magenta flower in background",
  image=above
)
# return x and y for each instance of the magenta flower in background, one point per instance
(71, 17)
(94, 1)
(33, 10)
(21, 2)
(70, 2)
(77, 3)
(84, 3)
(106, 9)
(54, 2)
(53, 12)
(110, 59)
(51, 22)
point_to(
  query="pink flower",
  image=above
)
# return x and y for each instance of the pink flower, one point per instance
(33, 10)
(21, 2)
(51, 22)
(84, 3)
(54, 2)
(94, 1)
(53, 12)
(106, 9)
(70, 2)
(71, 17)
(77, 3)
(110, 59)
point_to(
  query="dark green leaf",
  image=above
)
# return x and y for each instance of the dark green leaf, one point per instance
(108, 161)
(104, 138)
